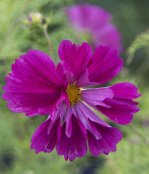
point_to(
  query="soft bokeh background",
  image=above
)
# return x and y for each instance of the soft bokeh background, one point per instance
(132, 155)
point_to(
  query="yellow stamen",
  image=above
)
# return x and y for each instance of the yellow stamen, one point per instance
(74, 94)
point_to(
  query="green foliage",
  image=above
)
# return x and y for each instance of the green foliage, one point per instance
(17, 39)
(141, 41)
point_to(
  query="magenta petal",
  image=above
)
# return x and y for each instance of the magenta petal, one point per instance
(86, 116)
(72, 147)
(84, 111)
(33, 104)
(62, 146)
(33, 86)
(37, 70)
(125, 90)
(59, 112)
(42, 139)
(94, 131)
(82, 128)
(121, 110)
(83, 80)
(102, 138)
(110, 137)
(104, 65)
(71, 55)
(121, 105)
(96, 96)
(63, 75)
(62, 97)
(68, 120)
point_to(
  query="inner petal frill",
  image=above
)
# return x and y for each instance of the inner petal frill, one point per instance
(71, 129)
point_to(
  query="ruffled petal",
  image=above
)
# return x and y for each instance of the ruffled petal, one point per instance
(122, 107)
(35, 72)
(87, 116)
(34, 84)
(42, 139)
(34, 104)
(104, 65)
(75, 145)
(101, 137)
(48, 133)
(31, 104)
(125, 90)
(84, 112)
(110, 137)
(75, 58)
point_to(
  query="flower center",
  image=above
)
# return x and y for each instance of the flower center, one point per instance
(74, 94)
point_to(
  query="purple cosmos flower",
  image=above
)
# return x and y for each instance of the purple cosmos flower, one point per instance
(96, 22)
(36, 86)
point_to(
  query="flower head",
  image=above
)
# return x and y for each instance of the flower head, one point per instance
(96, 23)
(36, 86)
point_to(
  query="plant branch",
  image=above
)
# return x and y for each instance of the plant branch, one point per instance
(48, 41)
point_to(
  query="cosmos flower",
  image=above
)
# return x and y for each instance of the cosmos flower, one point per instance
(36, 86)
(96, 22)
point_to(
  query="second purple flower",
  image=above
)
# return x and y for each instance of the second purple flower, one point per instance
(97, 23)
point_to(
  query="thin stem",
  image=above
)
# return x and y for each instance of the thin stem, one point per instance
(48, 41)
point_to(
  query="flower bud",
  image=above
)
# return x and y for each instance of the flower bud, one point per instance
(35, 19)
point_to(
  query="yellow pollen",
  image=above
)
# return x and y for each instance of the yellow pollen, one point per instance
(74, 94)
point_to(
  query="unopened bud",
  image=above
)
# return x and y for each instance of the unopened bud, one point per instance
(35, 19)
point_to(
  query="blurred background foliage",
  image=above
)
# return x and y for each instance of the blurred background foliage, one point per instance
(131, 18)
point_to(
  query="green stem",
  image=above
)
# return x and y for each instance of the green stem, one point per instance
(129, 60)
(48, 41)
